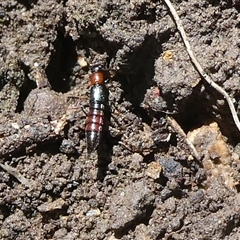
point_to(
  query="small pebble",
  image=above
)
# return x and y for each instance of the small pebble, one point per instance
(93, 212)
(50, 206)
(153, 170)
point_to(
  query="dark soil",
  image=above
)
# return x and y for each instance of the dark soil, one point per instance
(144, 181)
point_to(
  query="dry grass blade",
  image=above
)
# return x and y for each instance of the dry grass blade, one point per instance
(16, 174)
(199, 68)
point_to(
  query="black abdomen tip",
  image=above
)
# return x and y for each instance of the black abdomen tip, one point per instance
(92, 140)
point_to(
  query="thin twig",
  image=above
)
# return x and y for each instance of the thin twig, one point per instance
(199, 68)
(180, 131)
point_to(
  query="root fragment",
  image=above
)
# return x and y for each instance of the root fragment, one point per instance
(198, 66)
(180, 131)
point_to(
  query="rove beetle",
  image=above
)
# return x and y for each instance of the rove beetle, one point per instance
(97, 104)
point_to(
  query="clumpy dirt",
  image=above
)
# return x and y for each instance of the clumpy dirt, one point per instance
(167, 166)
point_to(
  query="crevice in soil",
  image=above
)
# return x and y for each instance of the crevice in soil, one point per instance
(26, 88)
(28, 3)
(62, 61)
